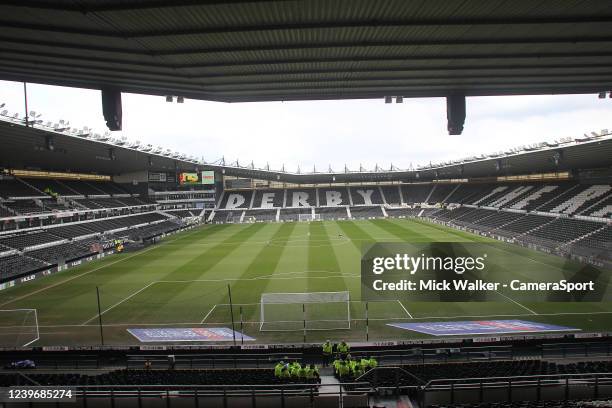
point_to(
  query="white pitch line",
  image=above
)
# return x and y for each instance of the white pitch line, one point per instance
(50, 326)
(118, 303)
(208, 314)
(96, 269)
(517, 303)
(260, 278)
(405, 310)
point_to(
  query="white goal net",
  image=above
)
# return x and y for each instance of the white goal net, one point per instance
(18, 327)
(305, 217)
(305, 311)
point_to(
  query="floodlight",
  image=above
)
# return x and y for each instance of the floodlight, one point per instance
(602, 95)
(2, 105)
(180, 99)
(399, 99)
(388, 99)
(169, 98)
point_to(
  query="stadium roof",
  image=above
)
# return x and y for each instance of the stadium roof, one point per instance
(40, 148)
(250, 50)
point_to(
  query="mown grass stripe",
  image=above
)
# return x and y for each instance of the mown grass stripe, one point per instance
(159, 296)
(265, 263)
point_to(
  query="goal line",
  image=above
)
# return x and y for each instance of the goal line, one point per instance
(305, 311)
(18, 327)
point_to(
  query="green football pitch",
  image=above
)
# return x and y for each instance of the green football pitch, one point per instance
(183, 282)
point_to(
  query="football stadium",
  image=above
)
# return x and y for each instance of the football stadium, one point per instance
(135, 275)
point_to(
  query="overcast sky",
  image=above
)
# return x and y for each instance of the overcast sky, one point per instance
(321, 133)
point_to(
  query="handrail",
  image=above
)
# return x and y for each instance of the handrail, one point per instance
(282, 390)
(531, 378)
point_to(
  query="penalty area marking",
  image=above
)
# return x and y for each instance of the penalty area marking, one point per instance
(268, 277)
(517, 303)
(208, 314)
(118, 303)
(405, 310)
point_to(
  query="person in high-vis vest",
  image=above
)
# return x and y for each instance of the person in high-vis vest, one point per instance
(278, 368)
(285, 375)
(328, 350)
(343, 349)
(343, 369)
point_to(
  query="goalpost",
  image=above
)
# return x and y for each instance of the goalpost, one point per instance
(305, 217)
(305, 311)
(18, 327)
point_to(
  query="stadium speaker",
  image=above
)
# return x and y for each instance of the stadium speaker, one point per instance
(111, 108)
(111, 154)
(49, 144)
(557, 157)
(455, 113)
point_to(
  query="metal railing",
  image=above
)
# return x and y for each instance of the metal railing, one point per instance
(224, 396)
(505, 388)
(579, 349)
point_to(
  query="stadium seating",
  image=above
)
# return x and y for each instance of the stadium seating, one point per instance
(403, 212)
(261, 215)
(523, 225)
(24, 207)
(268, 198)
(21, 241)
(100, 203)
(302, 197)
(418, 374)
(51, 246)
(186, 213)
(51, 186)
(561, 230)
(332, 213)
(367, 195)
(15, 265)
(221, 377)
(441, 192)
(293, 214)
(154, 230)
(5, 211)
(235, 200)
(416, 193)
(72, 230)
(602, 239)
(333, 196)
(468, 193)
(366, 212)
(600, 209)
(65, 252)
(15, 188)
(391, 195)
(531, 404)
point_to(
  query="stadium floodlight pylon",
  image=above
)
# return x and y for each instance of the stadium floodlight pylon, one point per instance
(18, 327)
(305, 311)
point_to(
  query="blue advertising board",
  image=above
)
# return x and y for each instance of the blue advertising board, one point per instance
(480, 327)
(149, 335)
